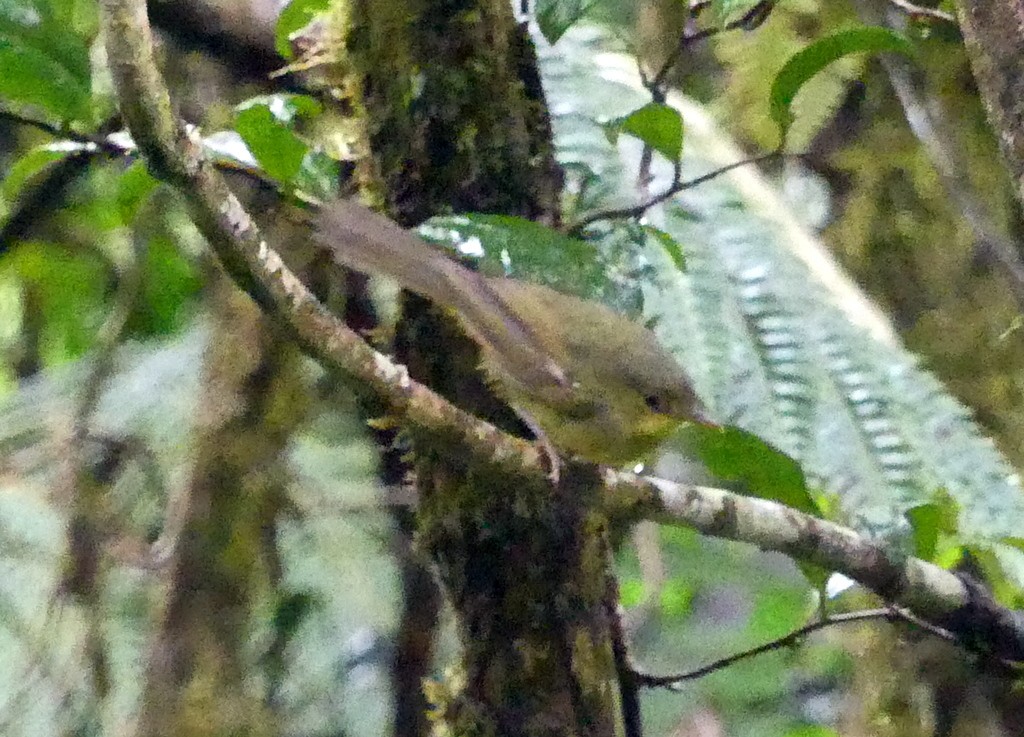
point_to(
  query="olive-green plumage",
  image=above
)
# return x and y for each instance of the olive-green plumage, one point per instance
(598, 385)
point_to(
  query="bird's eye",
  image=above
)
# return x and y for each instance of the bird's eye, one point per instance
(654, 403)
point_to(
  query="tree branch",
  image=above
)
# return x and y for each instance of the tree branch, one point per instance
(920, 12)
(49, 187)
(675, 680)
(90, 141)
(936, 595)
(677, 186)
(890, 614)
(175, 155)
(753, 18)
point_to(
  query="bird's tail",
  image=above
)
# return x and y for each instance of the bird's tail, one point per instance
(368, 242)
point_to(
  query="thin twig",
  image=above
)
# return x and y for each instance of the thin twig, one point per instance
(905, 615)
(677, 186)
(49, 187)
(940, 595)
(43, 194)
(750, 20)
(674, 681)
(95, 144)
(629, 686)
(109, 336)
(889, 613)
(100, 142)
(918, 12)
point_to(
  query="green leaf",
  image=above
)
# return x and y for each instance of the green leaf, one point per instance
(45, 62)
(69, 288)
(295, 15)
(133, 188)
(924, 521)
(807, 62)
(658, 125)
(28, 167)
(930, 521)
(58, 29)
(319, 175)
(676, 598)
(555, 17)
(739, 456)
(286, 108)
(33, 78)
(777, 613)
(522, 248)
(670, 244)
(631, 592)
(276, 147)
(169, 282)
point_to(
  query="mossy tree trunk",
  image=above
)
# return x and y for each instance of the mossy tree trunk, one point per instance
(445, 112)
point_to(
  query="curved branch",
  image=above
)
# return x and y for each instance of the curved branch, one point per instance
(677, 186)
(934, 594)
(174, 154)
(920, 12)
(674, 681)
